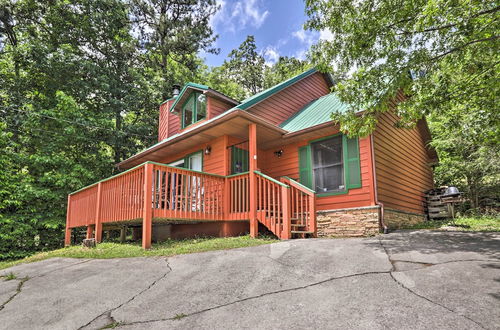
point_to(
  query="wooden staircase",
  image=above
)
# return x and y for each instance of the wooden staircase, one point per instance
(286, 208)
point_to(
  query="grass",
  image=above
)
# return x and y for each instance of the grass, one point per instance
(10, 276)
(465, 223)
(167, 248)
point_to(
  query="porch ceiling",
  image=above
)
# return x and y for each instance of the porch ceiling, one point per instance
(234, 123)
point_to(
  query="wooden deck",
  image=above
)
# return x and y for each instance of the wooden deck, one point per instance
(157, 191)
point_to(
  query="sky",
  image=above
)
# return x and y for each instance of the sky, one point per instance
(277, 26)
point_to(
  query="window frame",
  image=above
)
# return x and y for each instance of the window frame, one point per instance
(345, 165)
(185, 159)
(193, 97)
(341, 163)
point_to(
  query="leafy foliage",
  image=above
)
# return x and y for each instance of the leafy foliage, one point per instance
(435, 51)
(79, 91)
(246, 67)
(285, 68)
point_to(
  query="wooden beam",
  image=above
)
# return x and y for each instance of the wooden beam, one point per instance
(252, 145)
(147, 218)
(67, 236)
(90, 231)
(98, 223)
(287, 221)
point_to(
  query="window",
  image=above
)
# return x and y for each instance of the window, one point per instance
(331, 165)
(328, 165)
(193, 162)
(194, 109)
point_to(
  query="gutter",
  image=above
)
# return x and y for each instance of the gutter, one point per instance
(382, 224)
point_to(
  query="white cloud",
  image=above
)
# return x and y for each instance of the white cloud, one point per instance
(238, 15)
(325, 35)
(305, 37)
(271, 55)
(301, 54)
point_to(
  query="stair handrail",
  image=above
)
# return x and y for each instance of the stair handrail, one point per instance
(271, 179)
(312, 199)
(298, 185)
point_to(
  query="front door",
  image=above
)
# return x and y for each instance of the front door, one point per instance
(187, 186)
(239, 160)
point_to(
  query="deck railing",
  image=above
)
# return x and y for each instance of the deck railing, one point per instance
(239, 196)
(184, 194)
(153, 190)
(302, 206)
(273, 205)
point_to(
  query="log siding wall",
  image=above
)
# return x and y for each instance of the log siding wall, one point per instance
(402, 165)
(280, 106)
(216, 107)
(288, 165)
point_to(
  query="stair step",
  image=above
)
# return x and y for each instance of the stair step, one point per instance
(302, 232)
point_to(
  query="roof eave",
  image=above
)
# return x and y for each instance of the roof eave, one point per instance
(200, 128)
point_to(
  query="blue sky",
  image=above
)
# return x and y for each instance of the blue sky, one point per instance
(276, 24)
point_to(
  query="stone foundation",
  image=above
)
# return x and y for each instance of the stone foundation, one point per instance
(362, 221)
(395, 219)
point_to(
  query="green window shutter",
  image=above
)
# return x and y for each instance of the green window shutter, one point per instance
(351, 163)
(305, 170)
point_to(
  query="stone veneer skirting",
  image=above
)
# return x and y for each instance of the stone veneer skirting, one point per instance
(395, 219)
(361, 221)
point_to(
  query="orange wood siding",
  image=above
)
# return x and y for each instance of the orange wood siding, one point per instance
(216, 107)
(163, 120)
(280, 106)
(169, 123)
(288, 165)
(401, 161)
(213, 163)
(174, 124)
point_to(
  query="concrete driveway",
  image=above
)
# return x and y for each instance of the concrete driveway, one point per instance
(403, 280)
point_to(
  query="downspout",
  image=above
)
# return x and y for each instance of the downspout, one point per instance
(380, 204)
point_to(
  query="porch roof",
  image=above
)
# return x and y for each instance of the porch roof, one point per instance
(233, 122)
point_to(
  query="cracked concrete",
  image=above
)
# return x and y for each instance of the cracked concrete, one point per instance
(411, 280)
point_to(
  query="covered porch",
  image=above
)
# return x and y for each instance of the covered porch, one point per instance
(154, 192)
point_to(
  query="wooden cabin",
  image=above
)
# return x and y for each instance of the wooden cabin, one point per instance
(274, 162)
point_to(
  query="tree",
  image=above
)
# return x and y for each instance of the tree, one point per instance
(435, 51)
(219, 79)
(77, 94)
(246, 66)
(466, 135)
(285, 68)
(174, 31)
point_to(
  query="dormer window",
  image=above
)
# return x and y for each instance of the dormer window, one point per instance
(194, 109)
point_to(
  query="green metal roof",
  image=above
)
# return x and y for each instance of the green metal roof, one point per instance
(314, 113)
(186, 86)
(247, 103)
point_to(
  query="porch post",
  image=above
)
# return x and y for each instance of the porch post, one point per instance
(67, 236)
(123, 234)
(98, 223)
(90, 231)
(287, 221)
(252, 141)
(227, 188)
(147, 211)
(312, 215)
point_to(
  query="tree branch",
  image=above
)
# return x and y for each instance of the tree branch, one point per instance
(463, 46)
